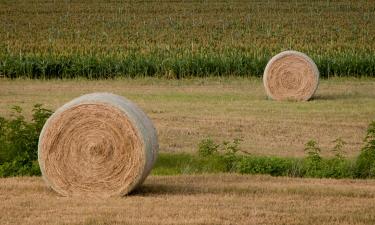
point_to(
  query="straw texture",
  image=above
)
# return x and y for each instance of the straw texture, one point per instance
(291, 75)
(99, 144)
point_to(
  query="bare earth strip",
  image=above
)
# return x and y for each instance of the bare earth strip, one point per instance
(205, 199)
(186, 111)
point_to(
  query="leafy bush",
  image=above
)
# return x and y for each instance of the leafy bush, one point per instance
(313, 162)
(365, 164)
(207, 147)
(19, 142)
(226, 157)
(224, 153)
(337, 168)
(229, 155)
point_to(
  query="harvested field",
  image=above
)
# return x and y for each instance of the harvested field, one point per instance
(206, 199)
(186, 111)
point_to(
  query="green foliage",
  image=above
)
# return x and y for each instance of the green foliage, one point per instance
(19, 142)
(338, 148)
(313, 161)
(365, 165)
(337, 167)
(313, 151)
(225, 153)
(168, 64)
(182, 163)
(228, 156)
(274, 166)
(180, 39)
(207, 147)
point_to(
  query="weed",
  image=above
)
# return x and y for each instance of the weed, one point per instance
(19, 142)
(365, 165)
(207, 147)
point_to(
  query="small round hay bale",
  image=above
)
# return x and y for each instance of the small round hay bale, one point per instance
(99, 144)
(291, 75)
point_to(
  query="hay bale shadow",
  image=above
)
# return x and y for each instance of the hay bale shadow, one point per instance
(167, 189)
(340, 96)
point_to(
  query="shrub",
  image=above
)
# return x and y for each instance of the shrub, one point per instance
(229, 156)
(224, 154)
(313, 162)
(338, 166)
(365, 164)
(207, 147)
(19, 142)
(225, 157)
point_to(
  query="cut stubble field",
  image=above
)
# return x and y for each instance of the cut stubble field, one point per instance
(186, 111)
(165, 46)
(203, 199)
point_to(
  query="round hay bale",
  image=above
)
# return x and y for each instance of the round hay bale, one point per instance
(99, 144)
(291, 75)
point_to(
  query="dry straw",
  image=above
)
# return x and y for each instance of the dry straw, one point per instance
(291, 75)
(99, 144)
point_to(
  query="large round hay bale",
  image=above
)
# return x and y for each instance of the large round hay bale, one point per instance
(99, 144)
(291, 75)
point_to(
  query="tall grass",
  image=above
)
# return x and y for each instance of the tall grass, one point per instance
(95, 39)
(168, 65)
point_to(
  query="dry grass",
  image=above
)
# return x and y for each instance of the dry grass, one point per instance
(185, 111)
(207, 199)
(97, 144)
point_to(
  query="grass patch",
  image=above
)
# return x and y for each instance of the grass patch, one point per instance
(182, 163)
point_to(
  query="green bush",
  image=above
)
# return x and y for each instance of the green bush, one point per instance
(337, 168)
(229, 155)
(365, 164)
(207, 147)
(19, 142)
(224, 153)
(313, 163)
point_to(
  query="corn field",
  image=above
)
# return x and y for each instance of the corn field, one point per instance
(181, 39)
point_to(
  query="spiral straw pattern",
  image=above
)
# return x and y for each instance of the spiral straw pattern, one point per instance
(291, 75)
(98, 144)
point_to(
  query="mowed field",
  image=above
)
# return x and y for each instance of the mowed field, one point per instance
(187, 111)
(204, 199)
